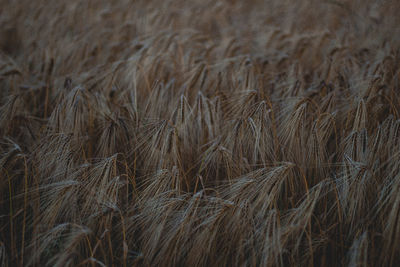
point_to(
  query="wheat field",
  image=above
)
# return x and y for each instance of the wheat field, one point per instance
(199, 133)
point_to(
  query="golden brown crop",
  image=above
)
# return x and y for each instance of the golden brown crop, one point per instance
(199, 133)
